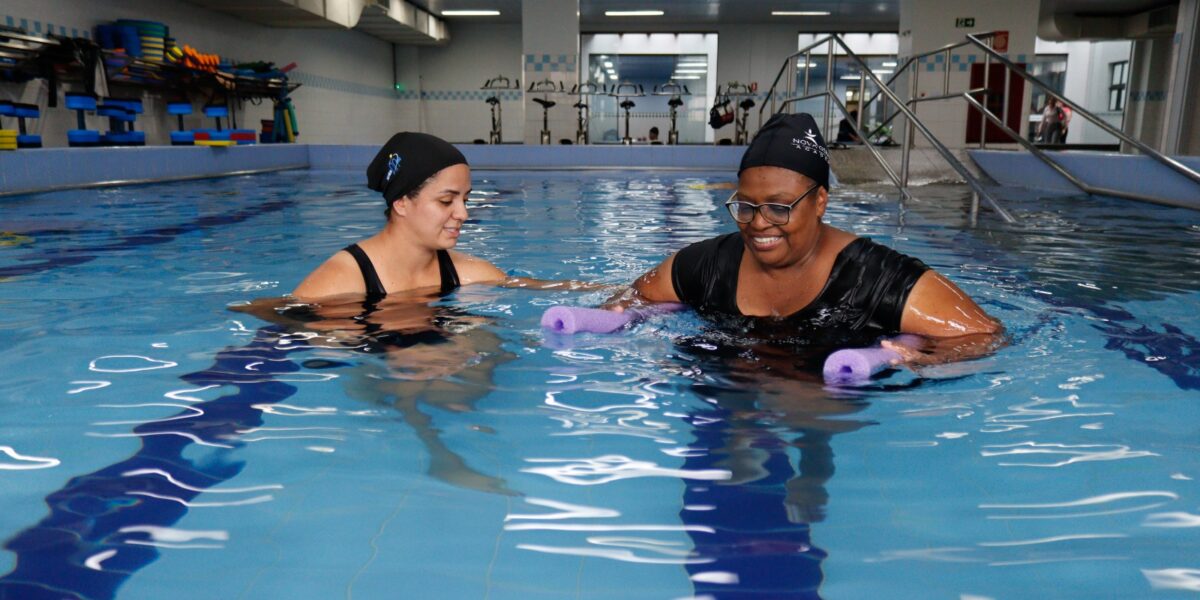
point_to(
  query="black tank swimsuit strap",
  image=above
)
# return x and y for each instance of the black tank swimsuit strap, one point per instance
(370, 277)
(374, 286)
(448, 272)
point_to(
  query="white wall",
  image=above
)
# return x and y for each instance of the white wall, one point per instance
(449, 77)
(347, 95)
(926, 25)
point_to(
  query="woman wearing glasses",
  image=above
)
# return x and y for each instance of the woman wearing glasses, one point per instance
(786, 273)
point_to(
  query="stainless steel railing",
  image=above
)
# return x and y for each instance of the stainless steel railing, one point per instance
(899, 180)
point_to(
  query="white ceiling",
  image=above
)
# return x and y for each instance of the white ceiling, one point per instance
(702, 15)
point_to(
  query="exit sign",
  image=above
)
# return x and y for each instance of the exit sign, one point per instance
(965, 22)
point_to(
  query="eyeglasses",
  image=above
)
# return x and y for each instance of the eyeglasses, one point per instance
(775, 214)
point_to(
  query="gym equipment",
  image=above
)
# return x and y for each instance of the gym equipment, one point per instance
(627, 91)
(181, 137)
(122, 114)
(746, 91)
(676, 92)
(545, 87)
(81, 104)
(581, 107)
(496, 85)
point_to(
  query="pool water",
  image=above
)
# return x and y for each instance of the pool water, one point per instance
(156, 443)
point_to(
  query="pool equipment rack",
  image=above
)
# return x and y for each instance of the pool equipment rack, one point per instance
(545, 87)
(627, 91)
(496, 85)
(581, 108)
(676, 93)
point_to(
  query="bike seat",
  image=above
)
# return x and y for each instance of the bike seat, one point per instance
(747, 104)
(580, 105)
(545, 103)
(628, 104)
(675, 101)
(493, 100)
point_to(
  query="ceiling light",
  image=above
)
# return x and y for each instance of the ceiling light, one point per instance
(889, 64)
(691, 70)
(687, 77)
(691, 64)
(802, 66)
(612, 76)
(633, 13)
(470, 13)
(800, 13)
(882, 71)
(850, 77)
(608, 64)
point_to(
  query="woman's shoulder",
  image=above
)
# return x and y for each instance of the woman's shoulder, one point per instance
(472, 269)
(339, 274)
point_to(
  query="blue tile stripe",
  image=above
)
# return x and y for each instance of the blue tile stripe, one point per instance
(551, 63)
(959, 63)
(469, 95)
(39, 28)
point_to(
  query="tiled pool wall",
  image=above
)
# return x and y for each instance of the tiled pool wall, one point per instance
(45, 169)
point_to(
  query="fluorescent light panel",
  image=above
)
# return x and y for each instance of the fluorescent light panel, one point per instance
(691, 70)
(691, 64)
(686, 77)
(470, 13)
(633, 13)
(800, 13)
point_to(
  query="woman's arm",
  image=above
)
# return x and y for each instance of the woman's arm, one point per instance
(654, 286)
(955, 327)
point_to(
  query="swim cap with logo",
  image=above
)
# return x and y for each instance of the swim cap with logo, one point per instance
(790, 141)
(407, 160)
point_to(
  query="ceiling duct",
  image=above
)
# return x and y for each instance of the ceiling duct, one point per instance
(396, 21)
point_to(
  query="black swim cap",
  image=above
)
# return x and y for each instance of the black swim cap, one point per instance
(790, 141)
(407, 160)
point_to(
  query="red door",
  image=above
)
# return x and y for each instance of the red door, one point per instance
(995, 103)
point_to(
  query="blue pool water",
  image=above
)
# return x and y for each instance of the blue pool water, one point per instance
(155, 443)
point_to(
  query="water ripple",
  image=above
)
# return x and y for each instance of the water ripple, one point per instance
(1078, 453)
(26, 463)
(612, 467)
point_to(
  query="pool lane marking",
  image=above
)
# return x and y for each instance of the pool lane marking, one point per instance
(66, 257)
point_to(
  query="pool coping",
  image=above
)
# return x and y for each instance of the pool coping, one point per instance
(52, 169)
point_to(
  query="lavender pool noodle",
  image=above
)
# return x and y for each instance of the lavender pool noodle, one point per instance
(576, 319)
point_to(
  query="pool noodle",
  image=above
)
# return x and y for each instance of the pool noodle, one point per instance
(856, 365)
(576, 319)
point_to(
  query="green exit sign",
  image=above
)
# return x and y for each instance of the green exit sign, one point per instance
(965, 22)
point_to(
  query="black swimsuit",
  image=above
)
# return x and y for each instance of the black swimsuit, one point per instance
(863, 297)
(375, 289)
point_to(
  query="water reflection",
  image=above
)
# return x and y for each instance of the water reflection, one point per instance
(434, 357)
(768, 402)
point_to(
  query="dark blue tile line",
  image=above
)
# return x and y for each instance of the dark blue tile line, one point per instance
(753, 537)
(56, 258)
(1178, 353)
(88, 514)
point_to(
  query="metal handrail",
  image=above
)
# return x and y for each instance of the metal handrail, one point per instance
(865, 71)
(1061, 170)
(1175, 165)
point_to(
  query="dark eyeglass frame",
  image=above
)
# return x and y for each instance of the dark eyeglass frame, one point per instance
(733, 207)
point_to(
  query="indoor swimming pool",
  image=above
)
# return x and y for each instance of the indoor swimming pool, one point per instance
(158, 443)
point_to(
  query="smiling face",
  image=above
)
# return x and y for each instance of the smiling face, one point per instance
(778, 246)
(434, 217)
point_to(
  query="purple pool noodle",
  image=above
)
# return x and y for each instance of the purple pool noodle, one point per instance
(575, 319)
(854, 365)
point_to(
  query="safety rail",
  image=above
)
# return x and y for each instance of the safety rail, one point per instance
(899, 180)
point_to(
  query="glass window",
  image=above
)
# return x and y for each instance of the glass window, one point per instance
(649, 81)
(1118, 79)
(1051, 69)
